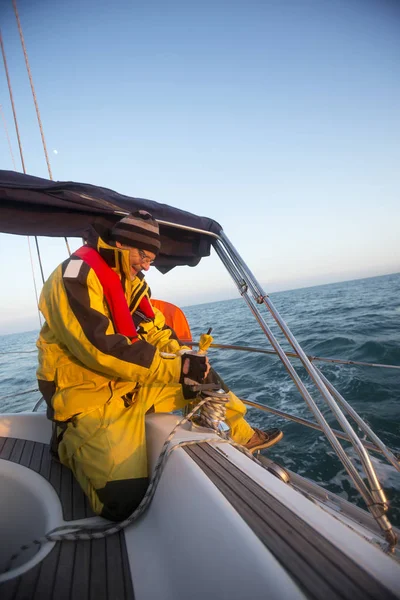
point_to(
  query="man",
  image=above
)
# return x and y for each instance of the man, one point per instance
(106, 357)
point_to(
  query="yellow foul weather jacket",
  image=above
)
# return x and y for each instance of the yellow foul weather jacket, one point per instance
(83, 361)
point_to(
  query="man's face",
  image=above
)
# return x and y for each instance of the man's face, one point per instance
(139, 260)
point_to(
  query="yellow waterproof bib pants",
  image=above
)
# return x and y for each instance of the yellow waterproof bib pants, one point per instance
(106, 447)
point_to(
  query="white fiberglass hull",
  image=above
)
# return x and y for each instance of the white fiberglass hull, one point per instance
(210, 531)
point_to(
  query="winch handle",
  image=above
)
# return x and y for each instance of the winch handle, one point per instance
(205, 342)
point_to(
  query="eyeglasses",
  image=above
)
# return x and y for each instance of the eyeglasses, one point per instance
(145, 258)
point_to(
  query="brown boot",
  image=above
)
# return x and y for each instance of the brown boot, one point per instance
(263, 439)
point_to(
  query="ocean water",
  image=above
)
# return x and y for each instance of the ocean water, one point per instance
(357, 320)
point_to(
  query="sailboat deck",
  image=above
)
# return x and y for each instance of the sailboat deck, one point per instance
(84, 569)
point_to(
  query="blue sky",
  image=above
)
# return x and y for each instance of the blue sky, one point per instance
(280, 119)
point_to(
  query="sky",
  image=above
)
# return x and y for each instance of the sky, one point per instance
(278, 118)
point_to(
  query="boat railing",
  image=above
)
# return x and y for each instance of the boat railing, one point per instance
(377, 445)
(255, 297)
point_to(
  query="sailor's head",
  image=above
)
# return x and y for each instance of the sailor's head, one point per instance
(138, 233)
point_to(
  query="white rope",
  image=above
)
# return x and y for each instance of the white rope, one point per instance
(90, 532)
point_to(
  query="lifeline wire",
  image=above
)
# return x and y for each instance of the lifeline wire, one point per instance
(19, 394)
(19, 352)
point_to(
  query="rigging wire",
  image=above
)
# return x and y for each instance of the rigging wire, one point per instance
(8, 137)
(38, 118)
(67, 244)
(22, 163)
(28, 68)
(12, 103)
(32, 87)
(40, 260)
(34, 279)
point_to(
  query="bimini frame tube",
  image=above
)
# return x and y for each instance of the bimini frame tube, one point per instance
(374, 496)
(245, 281)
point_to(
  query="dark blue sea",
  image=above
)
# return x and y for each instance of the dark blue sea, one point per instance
(356, 320)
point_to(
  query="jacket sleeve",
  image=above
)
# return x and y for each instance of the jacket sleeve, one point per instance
(73, 305)
(160, 335)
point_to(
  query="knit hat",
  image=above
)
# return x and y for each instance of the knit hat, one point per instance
(138, 230)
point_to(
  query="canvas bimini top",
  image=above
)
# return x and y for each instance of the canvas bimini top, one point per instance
(41, 207)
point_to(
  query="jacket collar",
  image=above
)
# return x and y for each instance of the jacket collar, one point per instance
(116, 258)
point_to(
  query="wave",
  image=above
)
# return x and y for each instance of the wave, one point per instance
(378, 352)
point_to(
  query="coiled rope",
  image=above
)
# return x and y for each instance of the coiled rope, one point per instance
(93, 532)
(213, 412)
